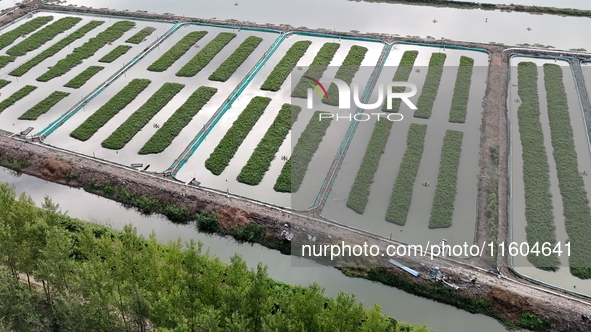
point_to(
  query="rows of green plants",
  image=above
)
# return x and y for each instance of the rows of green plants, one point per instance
(316, 69)
(293, 172)
(140, 35)
(43, 106)
(236, 59)
(106, 112)
(207, 53)
(279, 74)
(5, 60)
(402, 74)
(429, 89)
(4, 83)
(52, 50)
(259, 162)
(447, 180)
(20, 94)
(226, 149)
(403, 186)
(459, 102)
(359, 193)
(43, 36)
(83, 77)
(24, 29)
(128, 129)
(179, 120)
(177, 51)
(536, 178)
(346, 72)
(577, 216)
(115, 54)
(87, 50)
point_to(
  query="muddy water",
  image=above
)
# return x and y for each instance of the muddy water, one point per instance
(395, 303)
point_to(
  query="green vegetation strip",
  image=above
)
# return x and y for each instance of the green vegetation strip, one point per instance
(5, 60)
(20, 94)
(403, 186)
(279, 74)
(43, 106)
(402, 74)
(429, 90)
(459, 102)
(207, 53)
(115, 53)
(4, 83)
(447, 180)
(536, 178)
(226, 149)
(316, 69)
(231, 64)
(118, 102)
(346, 72)
(179, 120)
(53, 49)
(294, 170)
(83, 77)
(359, 193)
(128, 129)
(26, 28)
(577, 216)
(43, 36)
(259, 162)
(177, 51)
(141, 35)
(87, 50)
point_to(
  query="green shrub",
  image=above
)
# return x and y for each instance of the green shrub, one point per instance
(4, 83)
(115, 54)
(208, 222)
(259, 162)
(87, 50)
(5, 60)
(43, 106)
(128, 129)
(431, 86)
(106, 112)
(292, 176)
(43, 36)
(177, 51)
(225, 150)
(179, 120)
(236, 59)
(9, 37)
(316, 69)
(83, 77)
(250, 232)
(346, 73)
(207, 53)
(403, 186)
(140, 35)
(53, 49)
(402, 74)
(447, 180)
(279, 74)
(20, 94)
(459, 102)
(176, 214)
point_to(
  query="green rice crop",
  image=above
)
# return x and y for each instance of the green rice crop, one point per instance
(5, 60)
(106, 112)
(236, 59)
(279, 74)
(42, 36)
(403, 186)
(87, 50)
(4, 83)
(358, 196)
(140, 35)
(24, 29)
(459, 102)
(293, 172)
(346, 73)
(177, 51)
(115, 53)
(128, 129)
(445, 193)
(226, 149)
(431, 86)
(53, 49)
(83, 77)
(259, 162)
(43, 106)
(207, 53)
(577, 216)
(402, 74)
(179, 120)
(316, 69)
(20, 94)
